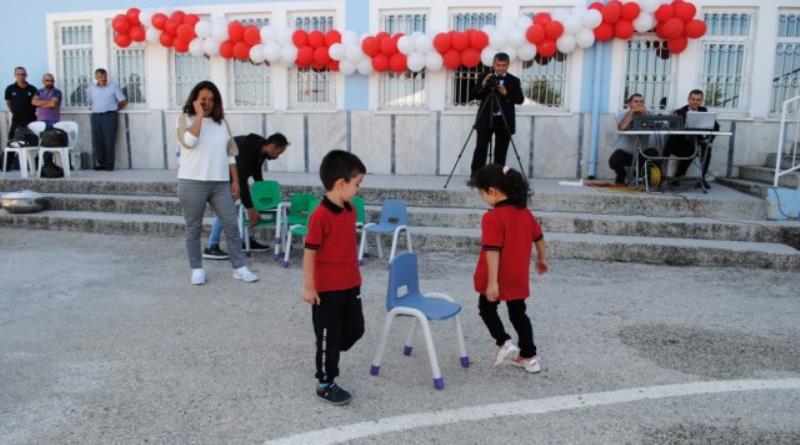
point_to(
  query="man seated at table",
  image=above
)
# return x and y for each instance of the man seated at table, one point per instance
(683, 146)
(626, 144)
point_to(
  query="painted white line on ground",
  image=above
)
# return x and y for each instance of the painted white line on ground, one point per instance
(527, 407)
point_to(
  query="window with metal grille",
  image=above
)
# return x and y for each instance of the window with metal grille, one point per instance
(307, 86)
(404, 90)
(187, 71)
(129, 71)
(725, 50)
(648, 71)
(74, 62)
(786, 78)
(250, 82)
(544, 80)
(462, 80)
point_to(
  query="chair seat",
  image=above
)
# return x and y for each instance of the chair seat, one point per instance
(295, 219)
(433, 308)
(303, 230)
(382, 228)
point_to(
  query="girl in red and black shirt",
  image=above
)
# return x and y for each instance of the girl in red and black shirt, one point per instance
(508, 232)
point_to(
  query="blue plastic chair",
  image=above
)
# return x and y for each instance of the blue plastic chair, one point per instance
(393, 219)
(404, 299)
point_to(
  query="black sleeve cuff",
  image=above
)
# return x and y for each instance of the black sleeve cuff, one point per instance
(492, 248)
(539, 238)
(312, 246)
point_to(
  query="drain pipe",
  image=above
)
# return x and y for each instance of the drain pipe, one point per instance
(596, 86)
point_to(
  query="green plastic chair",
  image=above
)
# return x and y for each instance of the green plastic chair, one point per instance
(266, 196)
(297, 212)
(361, 214)
(299, 229)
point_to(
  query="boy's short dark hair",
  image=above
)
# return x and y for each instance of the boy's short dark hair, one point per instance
(339, 164)
(278, 139)
(696, 92)
(502, 57)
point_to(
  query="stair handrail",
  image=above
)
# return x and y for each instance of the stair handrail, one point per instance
(782, 141)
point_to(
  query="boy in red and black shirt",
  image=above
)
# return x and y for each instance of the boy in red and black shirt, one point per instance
(330, 267)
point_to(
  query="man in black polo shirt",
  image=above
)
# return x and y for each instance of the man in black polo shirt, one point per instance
(19, 100)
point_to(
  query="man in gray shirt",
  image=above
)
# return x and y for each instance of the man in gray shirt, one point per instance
(626, 145)
(105, 100)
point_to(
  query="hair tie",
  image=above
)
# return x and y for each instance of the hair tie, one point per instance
(506, 169)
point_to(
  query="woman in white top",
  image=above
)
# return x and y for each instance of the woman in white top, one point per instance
(207, 174)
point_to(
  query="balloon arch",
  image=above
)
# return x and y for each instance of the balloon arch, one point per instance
(526, 38)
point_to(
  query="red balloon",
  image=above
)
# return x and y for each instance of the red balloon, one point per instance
(624, 29)
(321, 55)
(382, 34)
(684, 11)
(471, 57)
(133, 16)
(380, 63)
(604, 32)
(316, 39)
(186, 32)
(331, 37)
(630, 11)
(388, 46)
(180, 46)
(398, 62)
(547, 48)
(319, 66)
(479, 40)
(695, 29)
(241, 51)
(664, 13)
(396, 37)
(138, 33)
(226, 49)
(305, 57)
(371, 46)
(673, 28)
(333, 65)
(535, 34)
(598, 6)
(178, 15)
(252, 35)
(676, 46)
(166, 39)
(554, 29)
(172, 26)
(542, 18)
(442, 42)
(235, 31)
(122, 40)
(612, 12)
(452, 59)
(190, 19)
(159, 21)
(120, 24)
(660, 31)
(459, 41)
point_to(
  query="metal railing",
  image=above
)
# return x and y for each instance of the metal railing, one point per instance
(788, 118)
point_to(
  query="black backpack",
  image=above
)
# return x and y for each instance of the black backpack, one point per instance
(51, 170)
(54, 137)
(24, 137)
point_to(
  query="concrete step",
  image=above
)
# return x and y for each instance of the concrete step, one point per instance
(753, 188)
(669, 251)
(767, 176)
(786, 161)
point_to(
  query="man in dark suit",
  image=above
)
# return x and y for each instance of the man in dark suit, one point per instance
(506, 89)
(683, 146)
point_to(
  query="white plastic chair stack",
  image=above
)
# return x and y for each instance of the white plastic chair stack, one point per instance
(25, 154)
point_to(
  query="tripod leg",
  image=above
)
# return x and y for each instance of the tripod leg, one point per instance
(461, 153)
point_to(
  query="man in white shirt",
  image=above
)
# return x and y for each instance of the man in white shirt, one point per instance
(105, 100)
(626, 145)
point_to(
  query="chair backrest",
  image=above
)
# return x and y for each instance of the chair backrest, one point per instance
(266, 195)
(403, 279)
(37, 127)
(358, 203)
(313, 206)
(72, 129)
(393, 211)
(299, 202)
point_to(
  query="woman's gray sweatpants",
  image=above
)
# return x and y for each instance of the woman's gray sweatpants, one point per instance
(193, 196)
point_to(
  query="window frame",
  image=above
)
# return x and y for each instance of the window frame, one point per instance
(567, 71)
(294, 73)
(230, 69)
(113, 62)
(450, 77)
(673, 76)
(174, 102)
(385, 77)
(59, 48)
(779, 40)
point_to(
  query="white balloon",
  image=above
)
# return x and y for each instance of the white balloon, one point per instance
(578, 11)
(585, 38)
(347, 68)
(416, 62)
(592, 19)
(364, 67)
(196, 47)
(219, 30)
(211, 47)
(423, 43)
(526, 53)
(284, 35)
(405, 45)
(336, 51)
(516, 38)
(146, 17)
(203, 29)
(498, 39)
(508, 22)
(152, 35)
(649, 5)
(487, 56)
(350, 37)
(645, 22)
(560, 15)
(489, 29)
(272, 52)
(288, 54)
(268, 34)
(257, 54)
(566, 43)
(573, 25)
(353, 53)
(434, 61)
(524, 21)
(512, 53)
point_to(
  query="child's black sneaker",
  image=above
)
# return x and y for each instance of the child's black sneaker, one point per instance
(333, 394)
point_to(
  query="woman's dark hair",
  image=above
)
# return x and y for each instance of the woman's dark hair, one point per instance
(216, 111)
(505, 179)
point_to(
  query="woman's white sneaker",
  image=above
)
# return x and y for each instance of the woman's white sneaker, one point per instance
(198, 276)
(529, 364)
(244, 274)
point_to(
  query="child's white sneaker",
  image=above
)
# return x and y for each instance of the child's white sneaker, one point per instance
(504, 352)
(198, 276)
(529, 364)
(244, 274)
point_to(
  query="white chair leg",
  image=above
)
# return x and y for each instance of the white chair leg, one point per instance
(408, 240)
(23, 164)
(379, 240)
(376, 361)
(288, 248)
(362, 249)
(277, 240)
(410, 339)
(462, 349)
(41, 164)
(64, 155)
(394, 244)
(438, 380)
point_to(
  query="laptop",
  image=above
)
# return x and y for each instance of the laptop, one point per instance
(700, 120)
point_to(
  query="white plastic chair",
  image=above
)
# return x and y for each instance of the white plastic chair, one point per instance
(71, 127)
(25, 154)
